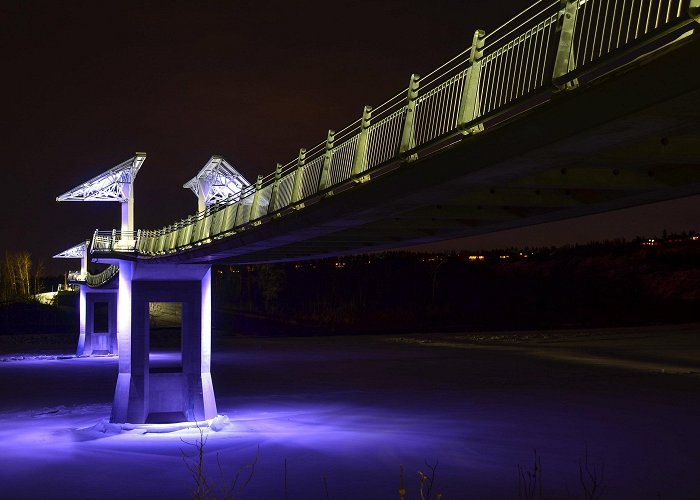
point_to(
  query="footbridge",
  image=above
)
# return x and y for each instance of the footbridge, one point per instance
(570, 108)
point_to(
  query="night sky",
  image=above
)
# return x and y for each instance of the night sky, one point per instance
(86, 84)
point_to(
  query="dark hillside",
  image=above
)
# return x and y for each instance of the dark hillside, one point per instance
(594, 285)
(19, 317)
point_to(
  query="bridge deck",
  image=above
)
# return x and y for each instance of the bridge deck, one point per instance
(628, 138)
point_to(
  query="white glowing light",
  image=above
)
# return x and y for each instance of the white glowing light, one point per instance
(217, 181)
(112, 185)
(76, 252)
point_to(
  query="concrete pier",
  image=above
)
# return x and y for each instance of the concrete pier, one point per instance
(91, 341)
(147, 394)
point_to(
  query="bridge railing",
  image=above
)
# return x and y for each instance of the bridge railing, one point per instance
(603, 27)
(97, 280)
(76, 277)
(118, 241)
(551, 46)
(93, 280)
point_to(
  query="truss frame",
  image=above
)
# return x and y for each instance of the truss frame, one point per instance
(217, 181)
(75, 252)
(112, 185)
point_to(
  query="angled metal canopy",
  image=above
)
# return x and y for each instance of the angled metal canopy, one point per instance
(217, 181)
(76, 252)
(79, 251)
(112, 185)
(116, 184)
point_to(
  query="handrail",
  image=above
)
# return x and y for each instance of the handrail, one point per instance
(538, 52)
(76, 277)
(94, 280)
(97, 280)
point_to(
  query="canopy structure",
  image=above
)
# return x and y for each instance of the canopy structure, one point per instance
(116, 184)
(217, 181)
(79, 251)
(76, 252)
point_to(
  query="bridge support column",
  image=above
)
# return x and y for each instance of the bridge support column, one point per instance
(148, 393)
(91, 341)
(82, 310)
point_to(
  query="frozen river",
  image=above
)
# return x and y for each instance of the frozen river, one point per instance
(344, 413)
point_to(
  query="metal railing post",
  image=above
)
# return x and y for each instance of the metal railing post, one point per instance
(359, 161)
(271, 207)
(324, 178)
(296, 190)
(235, 224)
(85, 258)
(256, 199)
(694, 10)
(565, 61)
(408, 139)
(469, 104)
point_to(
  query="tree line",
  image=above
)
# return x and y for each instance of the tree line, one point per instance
(599, 284)
(19, 278)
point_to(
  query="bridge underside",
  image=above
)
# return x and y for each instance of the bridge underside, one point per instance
(630, 139)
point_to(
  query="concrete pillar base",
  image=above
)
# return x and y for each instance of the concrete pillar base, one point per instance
(89, 341)
(152, 394)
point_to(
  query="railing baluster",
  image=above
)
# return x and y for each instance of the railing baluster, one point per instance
(604, 30)
(527, 57)
(595, 31)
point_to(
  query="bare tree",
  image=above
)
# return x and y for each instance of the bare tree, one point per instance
(24, 267)
(9, 284)
(271, 282)
(16, 277)
(38, 273)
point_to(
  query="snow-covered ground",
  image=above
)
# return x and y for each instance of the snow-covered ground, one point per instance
(352, 410)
